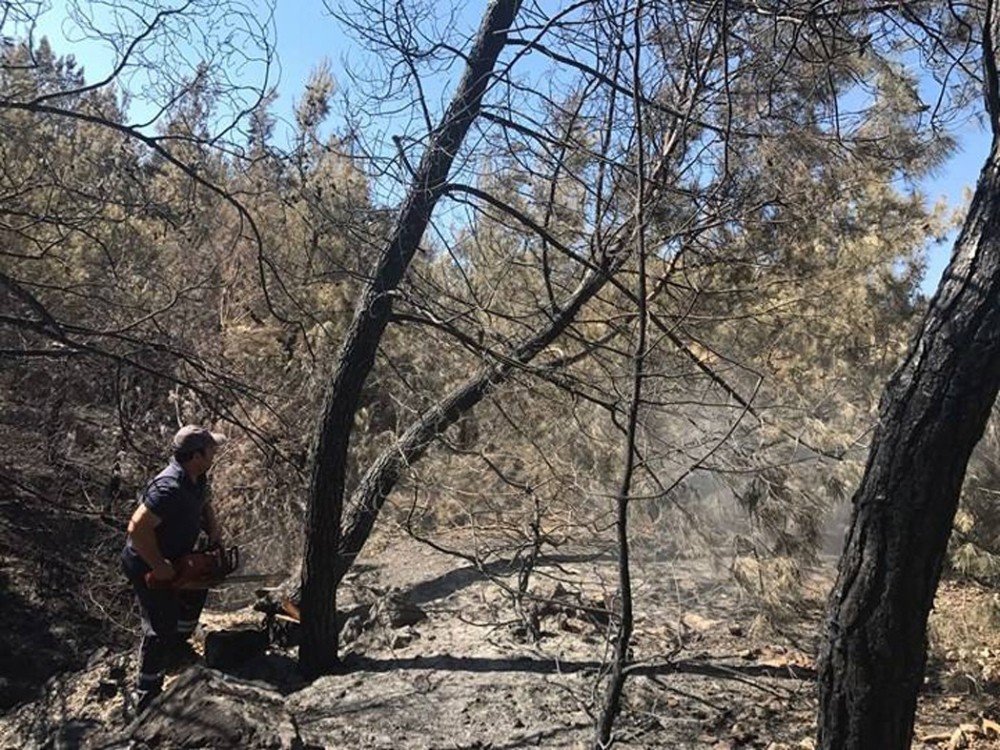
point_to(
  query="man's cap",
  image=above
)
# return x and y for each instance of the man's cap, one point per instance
(190, 438)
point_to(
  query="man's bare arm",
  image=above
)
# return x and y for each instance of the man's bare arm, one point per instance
(141, 530)
(211, 524)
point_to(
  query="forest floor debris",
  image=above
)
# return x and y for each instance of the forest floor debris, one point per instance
(434, 664)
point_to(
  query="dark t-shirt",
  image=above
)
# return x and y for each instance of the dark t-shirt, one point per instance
(178, 503)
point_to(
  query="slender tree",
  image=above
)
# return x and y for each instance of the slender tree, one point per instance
(626, 621)
(318, 652)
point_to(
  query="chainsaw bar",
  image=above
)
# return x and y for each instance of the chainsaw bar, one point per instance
(227, 581)
(210, 569)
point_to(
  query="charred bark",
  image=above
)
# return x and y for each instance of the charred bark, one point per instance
(623, 638)
(932, 413)
(318, 651)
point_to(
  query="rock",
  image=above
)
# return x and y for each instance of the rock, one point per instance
(352, 629)
(205, 709)
(397, 611)
(227, 649)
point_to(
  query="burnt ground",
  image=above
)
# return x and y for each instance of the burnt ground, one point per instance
(59, 596)
(708, 674)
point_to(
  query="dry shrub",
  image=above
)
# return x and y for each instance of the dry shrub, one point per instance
(964, 639)
(777, 587)
(974, 551)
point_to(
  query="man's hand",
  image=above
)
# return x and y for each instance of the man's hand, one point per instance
(164, 571)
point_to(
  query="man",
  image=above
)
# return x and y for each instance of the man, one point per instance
(172, 511)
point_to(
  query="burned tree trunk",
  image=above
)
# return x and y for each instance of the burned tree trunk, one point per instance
(932, 414)
(318, 651)
(615, 687)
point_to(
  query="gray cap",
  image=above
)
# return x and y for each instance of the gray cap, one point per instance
(190, 438)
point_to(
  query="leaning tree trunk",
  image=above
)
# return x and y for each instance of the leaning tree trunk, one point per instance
(318, 650)
(381, 478)
(932, 414)
(379, 481)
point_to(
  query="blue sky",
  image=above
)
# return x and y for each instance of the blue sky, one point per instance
(951, 180)
(306, 34)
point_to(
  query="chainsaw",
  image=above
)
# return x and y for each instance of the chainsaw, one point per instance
(208, 569)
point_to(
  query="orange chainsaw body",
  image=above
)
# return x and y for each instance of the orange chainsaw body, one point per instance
(199, 570)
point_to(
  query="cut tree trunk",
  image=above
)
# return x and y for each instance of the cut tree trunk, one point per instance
(318, 650)
(932, 414)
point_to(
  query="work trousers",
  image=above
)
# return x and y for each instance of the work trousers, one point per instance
(168, 619)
